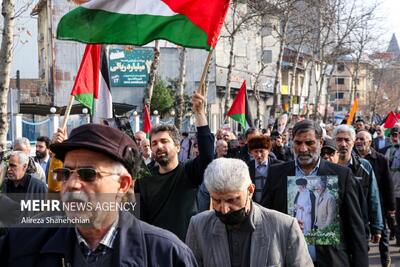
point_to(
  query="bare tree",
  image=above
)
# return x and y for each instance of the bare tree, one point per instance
(7, 11)
(148, 93)
(337, 21)
(239, 18)
(179, 109)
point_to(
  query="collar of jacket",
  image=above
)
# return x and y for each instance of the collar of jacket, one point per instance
(372, 153)
(355, 162)
(130, 236)
(259, 239)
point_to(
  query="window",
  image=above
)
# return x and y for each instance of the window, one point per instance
(340, 81)
(340, 67)
(267, 56)
(340, 95)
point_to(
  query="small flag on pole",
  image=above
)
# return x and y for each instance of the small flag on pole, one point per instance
(146, 120)
(240, 110)
(353, 111)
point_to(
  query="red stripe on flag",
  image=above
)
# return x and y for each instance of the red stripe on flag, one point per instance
(87, 79)
(207, 15)
(146, 120)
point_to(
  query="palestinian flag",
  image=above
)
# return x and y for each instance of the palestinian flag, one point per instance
(188, 23)
(240, 110)
(92, 86)
(390, 121)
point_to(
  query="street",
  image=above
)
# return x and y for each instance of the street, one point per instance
(374, 260)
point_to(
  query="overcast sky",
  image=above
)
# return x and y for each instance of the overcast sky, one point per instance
(26, 54)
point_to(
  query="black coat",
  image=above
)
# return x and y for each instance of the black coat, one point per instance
(353, 249)
(383, 177)
(136, 244)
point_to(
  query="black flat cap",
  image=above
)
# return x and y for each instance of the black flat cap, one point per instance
(330, 143)
(103, 139)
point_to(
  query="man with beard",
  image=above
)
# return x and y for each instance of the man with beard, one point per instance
(345, 136)
(168, 195)
(43, 153)
(238, 231)
(99, 163)
(307, 142)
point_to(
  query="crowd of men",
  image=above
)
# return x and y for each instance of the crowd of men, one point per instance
(251, 199)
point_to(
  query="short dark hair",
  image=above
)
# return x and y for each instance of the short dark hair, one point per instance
(171, 129)
(260, 142)
(360, 120)
(250, 131)
(44, 139)
(305, 126)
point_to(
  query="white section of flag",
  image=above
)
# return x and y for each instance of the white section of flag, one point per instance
(103, 105)
(132, 7)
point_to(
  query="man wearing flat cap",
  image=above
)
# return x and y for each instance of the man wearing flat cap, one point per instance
(329, 151)
(100, 164)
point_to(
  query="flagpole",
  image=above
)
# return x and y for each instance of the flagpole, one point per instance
(201, 88)
(67, 111)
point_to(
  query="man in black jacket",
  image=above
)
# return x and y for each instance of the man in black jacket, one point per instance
(259, 147)
(385, 185)
(99, 163)
(168, 195)
(307, 142)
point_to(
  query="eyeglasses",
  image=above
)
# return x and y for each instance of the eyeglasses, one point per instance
(328, 153)
(85, 174)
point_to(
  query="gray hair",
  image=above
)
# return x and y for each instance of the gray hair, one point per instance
(23, 141)
(226, 175)
(22, 157)
(343, 128)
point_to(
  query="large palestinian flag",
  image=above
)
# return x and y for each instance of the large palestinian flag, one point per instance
(240, 110)
(189, 23)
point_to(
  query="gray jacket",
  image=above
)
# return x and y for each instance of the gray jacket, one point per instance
(276, 241)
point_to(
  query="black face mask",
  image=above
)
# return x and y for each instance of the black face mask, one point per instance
(233, 217)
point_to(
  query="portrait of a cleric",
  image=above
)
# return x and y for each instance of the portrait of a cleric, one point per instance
(99, 166)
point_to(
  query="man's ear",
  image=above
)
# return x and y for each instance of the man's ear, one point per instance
(251, 190)
(178, 147)
(125, 182)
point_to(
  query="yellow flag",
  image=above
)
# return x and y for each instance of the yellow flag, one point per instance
(53, 184)
(352, 112)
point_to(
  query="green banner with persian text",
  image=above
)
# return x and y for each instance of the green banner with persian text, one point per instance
(129, 68)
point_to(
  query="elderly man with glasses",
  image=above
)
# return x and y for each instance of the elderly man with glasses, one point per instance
(100, 164)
